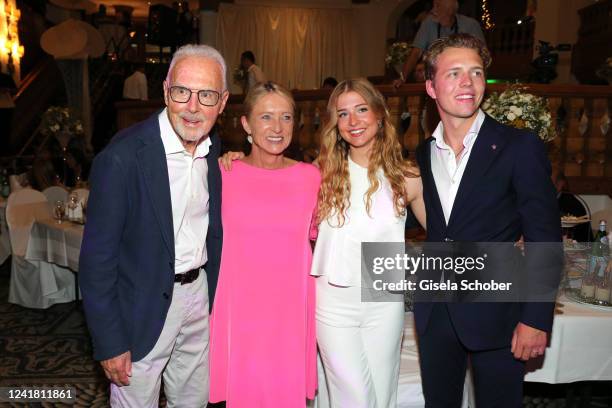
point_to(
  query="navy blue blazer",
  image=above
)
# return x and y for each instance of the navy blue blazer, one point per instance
(126, 267)
(506, 192)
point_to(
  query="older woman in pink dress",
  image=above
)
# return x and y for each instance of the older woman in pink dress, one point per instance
(262, 342)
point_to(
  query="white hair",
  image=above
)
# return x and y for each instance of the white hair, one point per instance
(200, 51)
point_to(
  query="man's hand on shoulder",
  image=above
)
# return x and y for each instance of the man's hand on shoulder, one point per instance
(528, 342)
(118, 369)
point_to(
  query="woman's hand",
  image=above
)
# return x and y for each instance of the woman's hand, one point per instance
(227, 159)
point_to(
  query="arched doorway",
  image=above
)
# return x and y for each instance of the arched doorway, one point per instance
(402, 25)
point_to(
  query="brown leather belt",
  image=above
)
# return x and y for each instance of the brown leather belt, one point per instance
(187, 277)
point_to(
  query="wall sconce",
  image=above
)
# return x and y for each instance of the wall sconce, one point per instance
(10, 49)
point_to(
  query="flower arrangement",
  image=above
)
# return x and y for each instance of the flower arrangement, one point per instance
(515, 107)
(605, 71)
(62, 124)
(57, 120)
(398, 51)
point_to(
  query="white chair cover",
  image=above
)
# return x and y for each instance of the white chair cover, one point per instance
(55, 193)
(22, 209)
(34, 284)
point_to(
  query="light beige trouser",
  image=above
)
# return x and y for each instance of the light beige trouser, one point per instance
(180, 356)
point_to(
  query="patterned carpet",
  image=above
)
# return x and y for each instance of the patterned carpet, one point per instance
(48, 347)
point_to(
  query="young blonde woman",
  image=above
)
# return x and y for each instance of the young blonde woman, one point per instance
(366, 186)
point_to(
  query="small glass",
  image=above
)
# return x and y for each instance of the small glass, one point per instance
(59, 210)
(73, 203)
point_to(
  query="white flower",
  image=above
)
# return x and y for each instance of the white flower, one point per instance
(54, 128)
(516, 110)
(515, 103)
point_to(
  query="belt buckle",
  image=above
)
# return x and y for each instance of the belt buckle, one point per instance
(189, 276)
(183, 278)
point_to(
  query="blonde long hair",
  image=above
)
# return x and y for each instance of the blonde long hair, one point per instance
(385, 154)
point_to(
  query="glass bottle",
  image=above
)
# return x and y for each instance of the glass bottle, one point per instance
(600, 254)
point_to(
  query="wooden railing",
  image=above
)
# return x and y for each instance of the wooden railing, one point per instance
(582, 150)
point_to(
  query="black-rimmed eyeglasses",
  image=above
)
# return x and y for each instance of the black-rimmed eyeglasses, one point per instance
(206, 97)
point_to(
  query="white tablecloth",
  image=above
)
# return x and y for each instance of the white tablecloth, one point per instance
(580, 346)
(47, 273)
(59, 244)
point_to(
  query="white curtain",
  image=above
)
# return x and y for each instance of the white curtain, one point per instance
(296, 47)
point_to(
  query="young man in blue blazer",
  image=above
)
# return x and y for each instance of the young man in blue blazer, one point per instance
(482, 182)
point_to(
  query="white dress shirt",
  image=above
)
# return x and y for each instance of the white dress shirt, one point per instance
(189, 196)
(447, 169)
(135, 86)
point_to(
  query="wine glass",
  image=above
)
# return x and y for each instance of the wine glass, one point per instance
(73, 202)
(59, 210)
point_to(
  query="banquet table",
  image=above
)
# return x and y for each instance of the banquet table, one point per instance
(580, 346)
(55, 243)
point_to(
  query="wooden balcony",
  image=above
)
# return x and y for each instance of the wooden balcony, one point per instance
(582, 150)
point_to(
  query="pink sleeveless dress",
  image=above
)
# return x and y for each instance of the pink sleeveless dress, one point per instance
(262, 340)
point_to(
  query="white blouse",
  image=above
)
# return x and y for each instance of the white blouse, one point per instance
(337, 253)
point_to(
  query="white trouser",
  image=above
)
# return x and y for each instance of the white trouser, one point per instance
(180, 355)
(359, 344)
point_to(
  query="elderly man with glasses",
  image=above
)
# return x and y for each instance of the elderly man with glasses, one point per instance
(152, 244)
